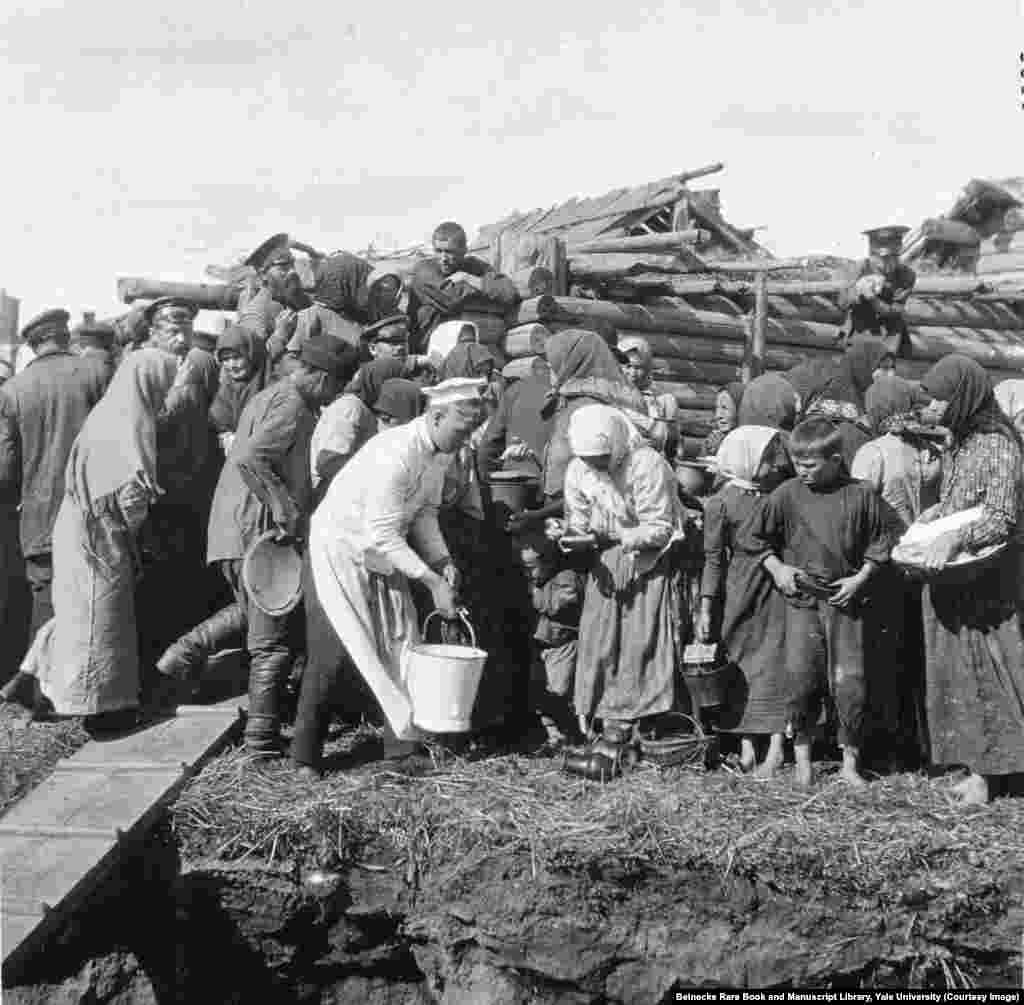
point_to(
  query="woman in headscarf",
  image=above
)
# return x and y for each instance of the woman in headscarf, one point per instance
(836, 390)
(903, 465)
(243, 364)
(584, 372)
(727, 417)
(973, 640)
(737, 593)
(92, 668)
(769, 400)
(348, 422)
(900, 463)
(623, 492)
(1010, 395)
(339, 310)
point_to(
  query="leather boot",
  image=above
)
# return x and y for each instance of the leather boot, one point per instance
(263, 726)
(186, 658)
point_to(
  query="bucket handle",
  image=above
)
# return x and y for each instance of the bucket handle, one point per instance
(463, 616)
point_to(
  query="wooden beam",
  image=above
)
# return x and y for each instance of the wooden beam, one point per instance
(753, 365)
(670, 241)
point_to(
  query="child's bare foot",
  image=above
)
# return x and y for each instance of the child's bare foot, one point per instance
(802, 755)
(974, 791)
(849, 772)
(748, 756)
(773, 760)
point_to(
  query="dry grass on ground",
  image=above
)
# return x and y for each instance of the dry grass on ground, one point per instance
(445, 811)
(29, 751)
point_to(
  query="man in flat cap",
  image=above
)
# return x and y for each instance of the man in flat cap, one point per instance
(96, 339)
(444, 287)
(265, 484)
(42, 410)
(170, 322)
(280, 288)
(876, 300)
(375, 531)
(388, 338)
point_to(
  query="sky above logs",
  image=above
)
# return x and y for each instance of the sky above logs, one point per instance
(154, 140)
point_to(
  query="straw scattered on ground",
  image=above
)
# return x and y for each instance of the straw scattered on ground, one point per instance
(29, 751)
(444, 811)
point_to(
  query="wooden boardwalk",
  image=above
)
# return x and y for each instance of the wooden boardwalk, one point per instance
(59, 843)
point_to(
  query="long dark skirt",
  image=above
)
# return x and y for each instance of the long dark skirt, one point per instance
(974, 672)
(754, 634)
(629, 641)
(895, 722)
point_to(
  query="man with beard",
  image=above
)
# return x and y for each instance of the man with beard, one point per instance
(878, 297)
(451, 283)
(265, 483)
(280, 289)
(170, 322)
(42, 410)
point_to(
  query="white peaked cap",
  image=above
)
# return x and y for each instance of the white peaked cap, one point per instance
(455, 390)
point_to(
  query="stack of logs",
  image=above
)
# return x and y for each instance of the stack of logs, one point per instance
(704, 341)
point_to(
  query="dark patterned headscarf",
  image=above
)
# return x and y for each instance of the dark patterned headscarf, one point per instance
(890, 404)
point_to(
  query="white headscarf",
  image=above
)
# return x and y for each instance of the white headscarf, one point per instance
(1010, 395)
(741, 452)
(601, 429)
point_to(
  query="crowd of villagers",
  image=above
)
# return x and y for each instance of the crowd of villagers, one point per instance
(139, 470)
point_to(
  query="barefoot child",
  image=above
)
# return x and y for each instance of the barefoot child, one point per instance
(557, 593)
(752, 462)
(822, 537)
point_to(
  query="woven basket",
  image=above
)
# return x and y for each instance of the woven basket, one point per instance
(686, 744)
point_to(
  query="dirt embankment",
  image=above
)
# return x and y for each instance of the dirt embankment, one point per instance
(505, 882)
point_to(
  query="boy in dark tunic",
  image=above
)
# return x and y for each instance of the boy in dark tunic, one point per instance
(822, 538)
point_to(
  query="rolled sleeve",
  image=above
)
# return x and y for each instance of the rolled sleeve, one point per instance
(712, 581)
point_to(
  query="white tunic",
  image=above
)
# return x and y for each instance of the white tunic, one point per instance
(359, 547)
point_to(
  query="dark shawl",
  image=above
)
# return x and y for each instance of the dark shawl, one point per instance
(972, 402)
(769, 400)
(401, 400)
(367, 384)
(341, 285)
(467, 359)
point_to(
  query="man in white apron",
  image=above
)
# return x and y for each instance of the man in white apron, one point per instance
(375, 530)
